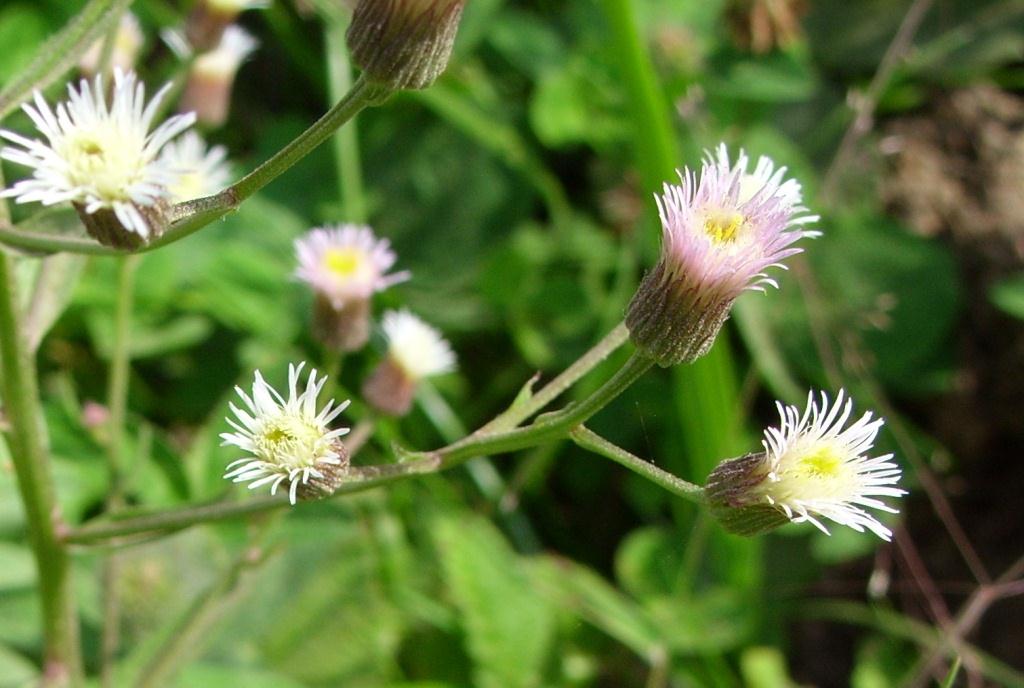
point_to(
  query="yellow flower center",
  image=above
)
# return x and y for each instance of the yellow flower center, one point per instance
(344, 262)
(822, 463)
(290, 441)
(723, 226)
(105, 159)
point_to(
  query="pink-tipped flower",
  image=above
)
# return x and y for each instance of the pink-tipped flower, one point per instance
(345, 265)
(721, 232)
(813, 467)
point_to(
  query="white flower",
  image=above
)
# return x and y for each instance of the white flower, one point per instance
(96, 155)
(818, 469)
(200, 171)
(285, 439)
(236, 44)
(418, 349)
(346, 263)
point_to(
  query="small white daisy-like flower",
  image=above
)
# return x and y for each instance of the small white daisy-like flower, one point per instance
(345, 263)
(96, 156)
(200, 171)
(415, 351)
(819, 468)
(287, 440)
(127, 42)
(721, 231)
(415, 346)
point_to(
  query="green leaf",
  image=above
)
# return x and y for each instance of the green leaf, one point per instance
(1009, 295)
(61, 51)
(764, 667)
(595, 600)
(204, 675)
(509, 629)
(16, 671)
(648, 561)
(17, 569)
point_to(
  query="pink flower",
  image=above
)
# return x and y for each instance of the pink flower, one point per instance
(346, 263)
(721, 232)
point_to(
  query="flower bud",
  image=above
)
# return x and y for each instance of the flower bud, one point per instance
(404, 44)
(210, 18)
(127, 43)
(415, 351)
(212, 77)
(720, 232)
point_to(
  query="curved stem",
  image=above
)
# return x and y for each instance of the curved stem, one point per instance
(587, 362)
(591, 441)
(191, 216)
(547, 428)
(35, 482)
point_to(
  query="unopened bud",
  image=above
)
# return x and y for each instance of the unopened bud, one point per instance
(404, 44)
(212, 77)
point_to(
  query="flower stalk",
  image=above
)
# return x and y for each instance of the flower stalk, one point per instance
(62, 661)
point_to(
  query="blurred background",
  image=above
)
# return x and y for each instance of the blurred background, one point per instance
(518, 191)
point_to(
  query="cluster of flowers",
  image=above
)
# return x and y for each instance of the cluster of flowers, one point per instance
(724, 227)
(119, 173)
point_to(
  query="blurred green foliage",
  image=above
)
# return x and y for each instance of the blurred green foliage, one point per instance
(513, 192)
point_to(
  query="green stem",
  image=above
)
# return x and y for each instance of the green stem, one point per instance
(346, 143)
(548, 428)
(194, 625)
(35, 483)
(117, 402)
(591, 441)
(566, 379)
(191, 216)
(125, 523)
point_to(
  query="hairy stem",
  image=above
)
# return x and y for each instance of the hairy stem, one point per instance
(566, 379)
(191, 216)
(35, 483)
(591, 441)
